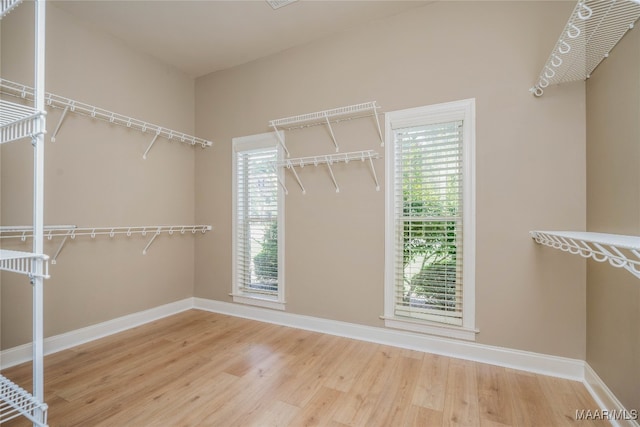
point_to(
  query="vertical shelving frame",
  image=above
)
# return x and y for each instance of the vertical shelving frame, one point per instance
(19, 122)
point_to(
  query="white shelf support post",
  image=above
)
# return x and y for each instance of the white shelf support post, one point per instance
(38, 216)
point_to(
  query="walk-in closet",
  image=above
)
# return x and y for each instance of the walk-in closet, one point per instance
(305, 212)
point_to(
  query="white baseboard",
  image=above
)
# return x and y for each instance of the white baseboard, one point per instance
(608, 401)
(533, 362)
(23, 353)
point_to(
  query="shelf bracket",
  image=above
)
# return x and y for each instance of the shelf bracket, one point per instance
(153, 141)
(329, 161)
(55, 257)
(156, 234)
(375, 115)
(280, 140)
(280, 181)
(55, 132)
(373, 171)
(333, 137)
(293, 169)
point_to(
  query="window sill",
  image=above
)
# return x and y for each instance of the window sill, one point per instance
(431, 328)
(259, 301)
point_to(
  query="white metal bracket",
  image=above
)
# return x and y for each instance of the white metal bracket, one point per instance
(57, 129)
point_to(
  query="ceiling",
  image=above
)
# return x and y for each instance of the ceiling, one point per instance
(203, 36)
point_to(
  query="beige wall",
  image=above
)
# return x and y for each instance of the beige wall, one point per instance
(613, 206)
(530, 164)
(95, 176)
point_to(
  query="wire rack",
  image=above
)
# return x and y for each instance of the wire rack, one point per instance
(7, 6)
(618, 250)
(69, 105)
(16, 401)
(593, 29)
(19, 121)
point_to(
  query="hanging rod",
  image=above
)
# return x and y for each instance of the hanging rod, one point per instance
(71, 231)
(7, 6)
(66, 104)
(593, 29)
(324, 117)
(619, 250)
(329, 160)
(19, 121)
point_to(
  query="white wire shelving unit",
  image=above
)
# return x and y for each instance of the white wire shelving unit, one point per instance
(7, 6)
(618, 250)
(66, 232)
(21, 122)
(329, 160)
(592, 31)
(327, 117)
(69, 105)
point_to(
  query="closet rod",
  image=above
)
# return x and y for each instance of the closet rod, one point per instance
(7, 6)
(66, 104)
(71, 231)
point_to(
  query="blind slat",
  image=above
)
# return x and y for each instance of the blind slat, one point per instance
(428, 207)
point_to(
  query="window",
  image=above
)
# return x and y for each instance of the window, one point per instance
(430, 225)
(258, 219)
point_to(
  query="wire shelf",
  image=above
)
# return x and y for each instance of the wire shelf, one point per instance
(619, 250)
(66, 104)
(19, 121)
(16, 401)
(328, 159)
(593, 29)
(324, 117)
(7, 6)
(23, 263)
(71, 231)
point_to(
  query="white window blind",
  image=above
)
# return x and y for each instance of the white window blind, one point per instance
(430, 219)
(256, 248)
(428, 211)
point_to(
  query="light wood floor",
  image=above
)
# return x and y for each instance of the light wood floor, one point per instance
(203, 369)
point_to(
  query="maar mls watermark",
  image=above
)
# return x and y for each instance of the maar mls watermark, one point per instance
(606, 414)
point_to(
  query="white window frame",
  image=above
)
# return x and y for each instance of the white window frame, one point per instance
(451, 111)
(247, 143)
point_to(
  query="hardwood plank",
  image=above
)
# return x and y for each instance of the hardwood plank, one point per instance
(529, 401)
(205, 369)
(397, 393)
(461, 395)
(430, 390)
(494, 396)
